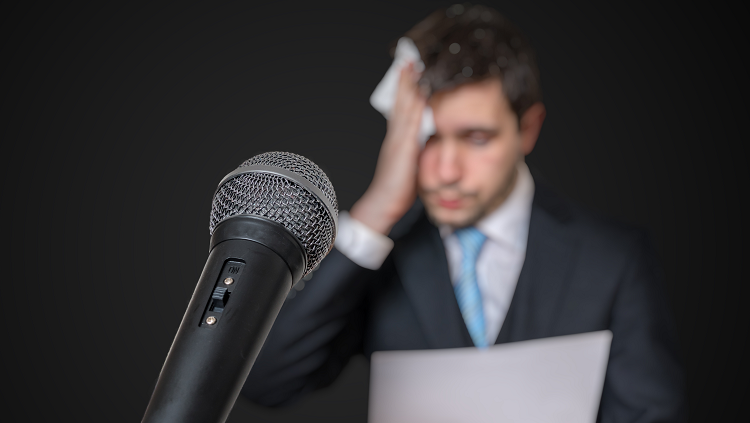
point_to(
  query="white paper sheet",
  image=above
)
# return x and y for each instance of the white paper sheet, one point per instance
(545, 380)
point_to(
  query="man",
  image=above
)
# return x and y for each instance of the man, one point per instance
(487, 254)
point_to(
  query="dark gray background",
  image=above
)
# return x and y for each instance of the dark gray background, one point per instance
(118, 121)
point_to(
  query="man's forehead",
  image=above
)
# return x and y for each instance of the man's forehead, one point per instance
(480, 104)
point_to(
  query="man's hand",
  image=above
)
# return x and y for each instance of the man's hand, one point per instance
(393, 188)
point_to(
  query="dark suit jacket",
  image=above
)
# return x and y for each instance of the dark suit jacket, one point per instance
(581, 274)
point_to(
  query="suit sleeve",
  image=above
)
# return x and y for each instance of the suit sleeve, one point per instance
(314, 334)
(644, 380)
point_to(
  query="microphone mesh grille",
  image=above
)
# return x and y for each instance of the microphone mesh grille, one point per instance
(282, 200)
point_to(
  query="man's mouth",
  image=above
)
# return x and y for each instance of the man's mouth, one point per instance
(450, 199)
(449, 203)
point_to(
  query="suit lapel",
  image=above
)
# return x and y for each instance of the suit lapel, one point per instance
(423, 269)
(550, 254)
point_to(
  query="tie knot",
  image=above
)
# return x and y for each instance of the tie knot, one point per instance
(471, 241)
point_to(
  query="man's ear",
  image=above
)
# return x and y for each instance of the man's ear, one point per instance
(531, 124)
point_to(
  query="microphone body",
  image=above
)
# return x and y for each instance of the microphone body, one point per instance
(273, 219)
(221, 335)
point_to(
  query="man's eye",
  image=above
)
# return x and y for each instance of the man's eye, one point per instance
(478, 138)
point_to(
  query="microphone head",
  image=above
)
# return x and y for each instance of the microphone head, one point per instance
(288, 189)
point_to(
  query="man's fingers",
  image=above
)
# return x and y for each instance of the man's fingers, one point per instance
(406, 80)
(407, 87)
(403, 122)
(409, 102)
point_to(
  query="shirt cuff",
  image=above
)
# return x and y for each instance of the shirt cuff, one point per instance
(360, 244)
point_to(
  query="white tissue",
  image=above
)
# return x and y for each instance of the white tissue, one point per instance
(384, 96)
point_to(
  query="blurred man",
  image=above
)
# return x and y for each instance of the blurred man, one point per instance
(455, 244)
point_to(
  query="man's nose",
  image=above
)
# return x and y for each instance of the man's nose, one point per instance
(449, 163)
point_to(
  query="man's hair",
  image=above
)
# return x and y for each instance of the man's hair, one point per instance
(466, 43)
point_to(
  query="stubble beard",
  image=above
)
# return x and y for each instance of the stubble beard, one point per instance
(476, 213)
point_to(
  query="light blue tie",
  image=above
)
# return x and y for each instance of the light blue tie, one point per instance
(466, 287)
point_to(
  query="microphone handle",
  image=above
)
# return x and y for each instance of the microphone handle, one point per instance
(221, 333)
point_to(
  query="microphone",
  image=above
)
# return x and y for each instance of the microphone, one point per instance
(273, 219)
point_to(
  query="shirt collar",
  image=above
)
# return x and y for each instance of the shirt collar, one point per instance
(508, 224)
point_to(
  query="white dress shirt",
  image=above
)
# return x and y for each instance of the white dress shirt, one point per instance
(499, 262)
